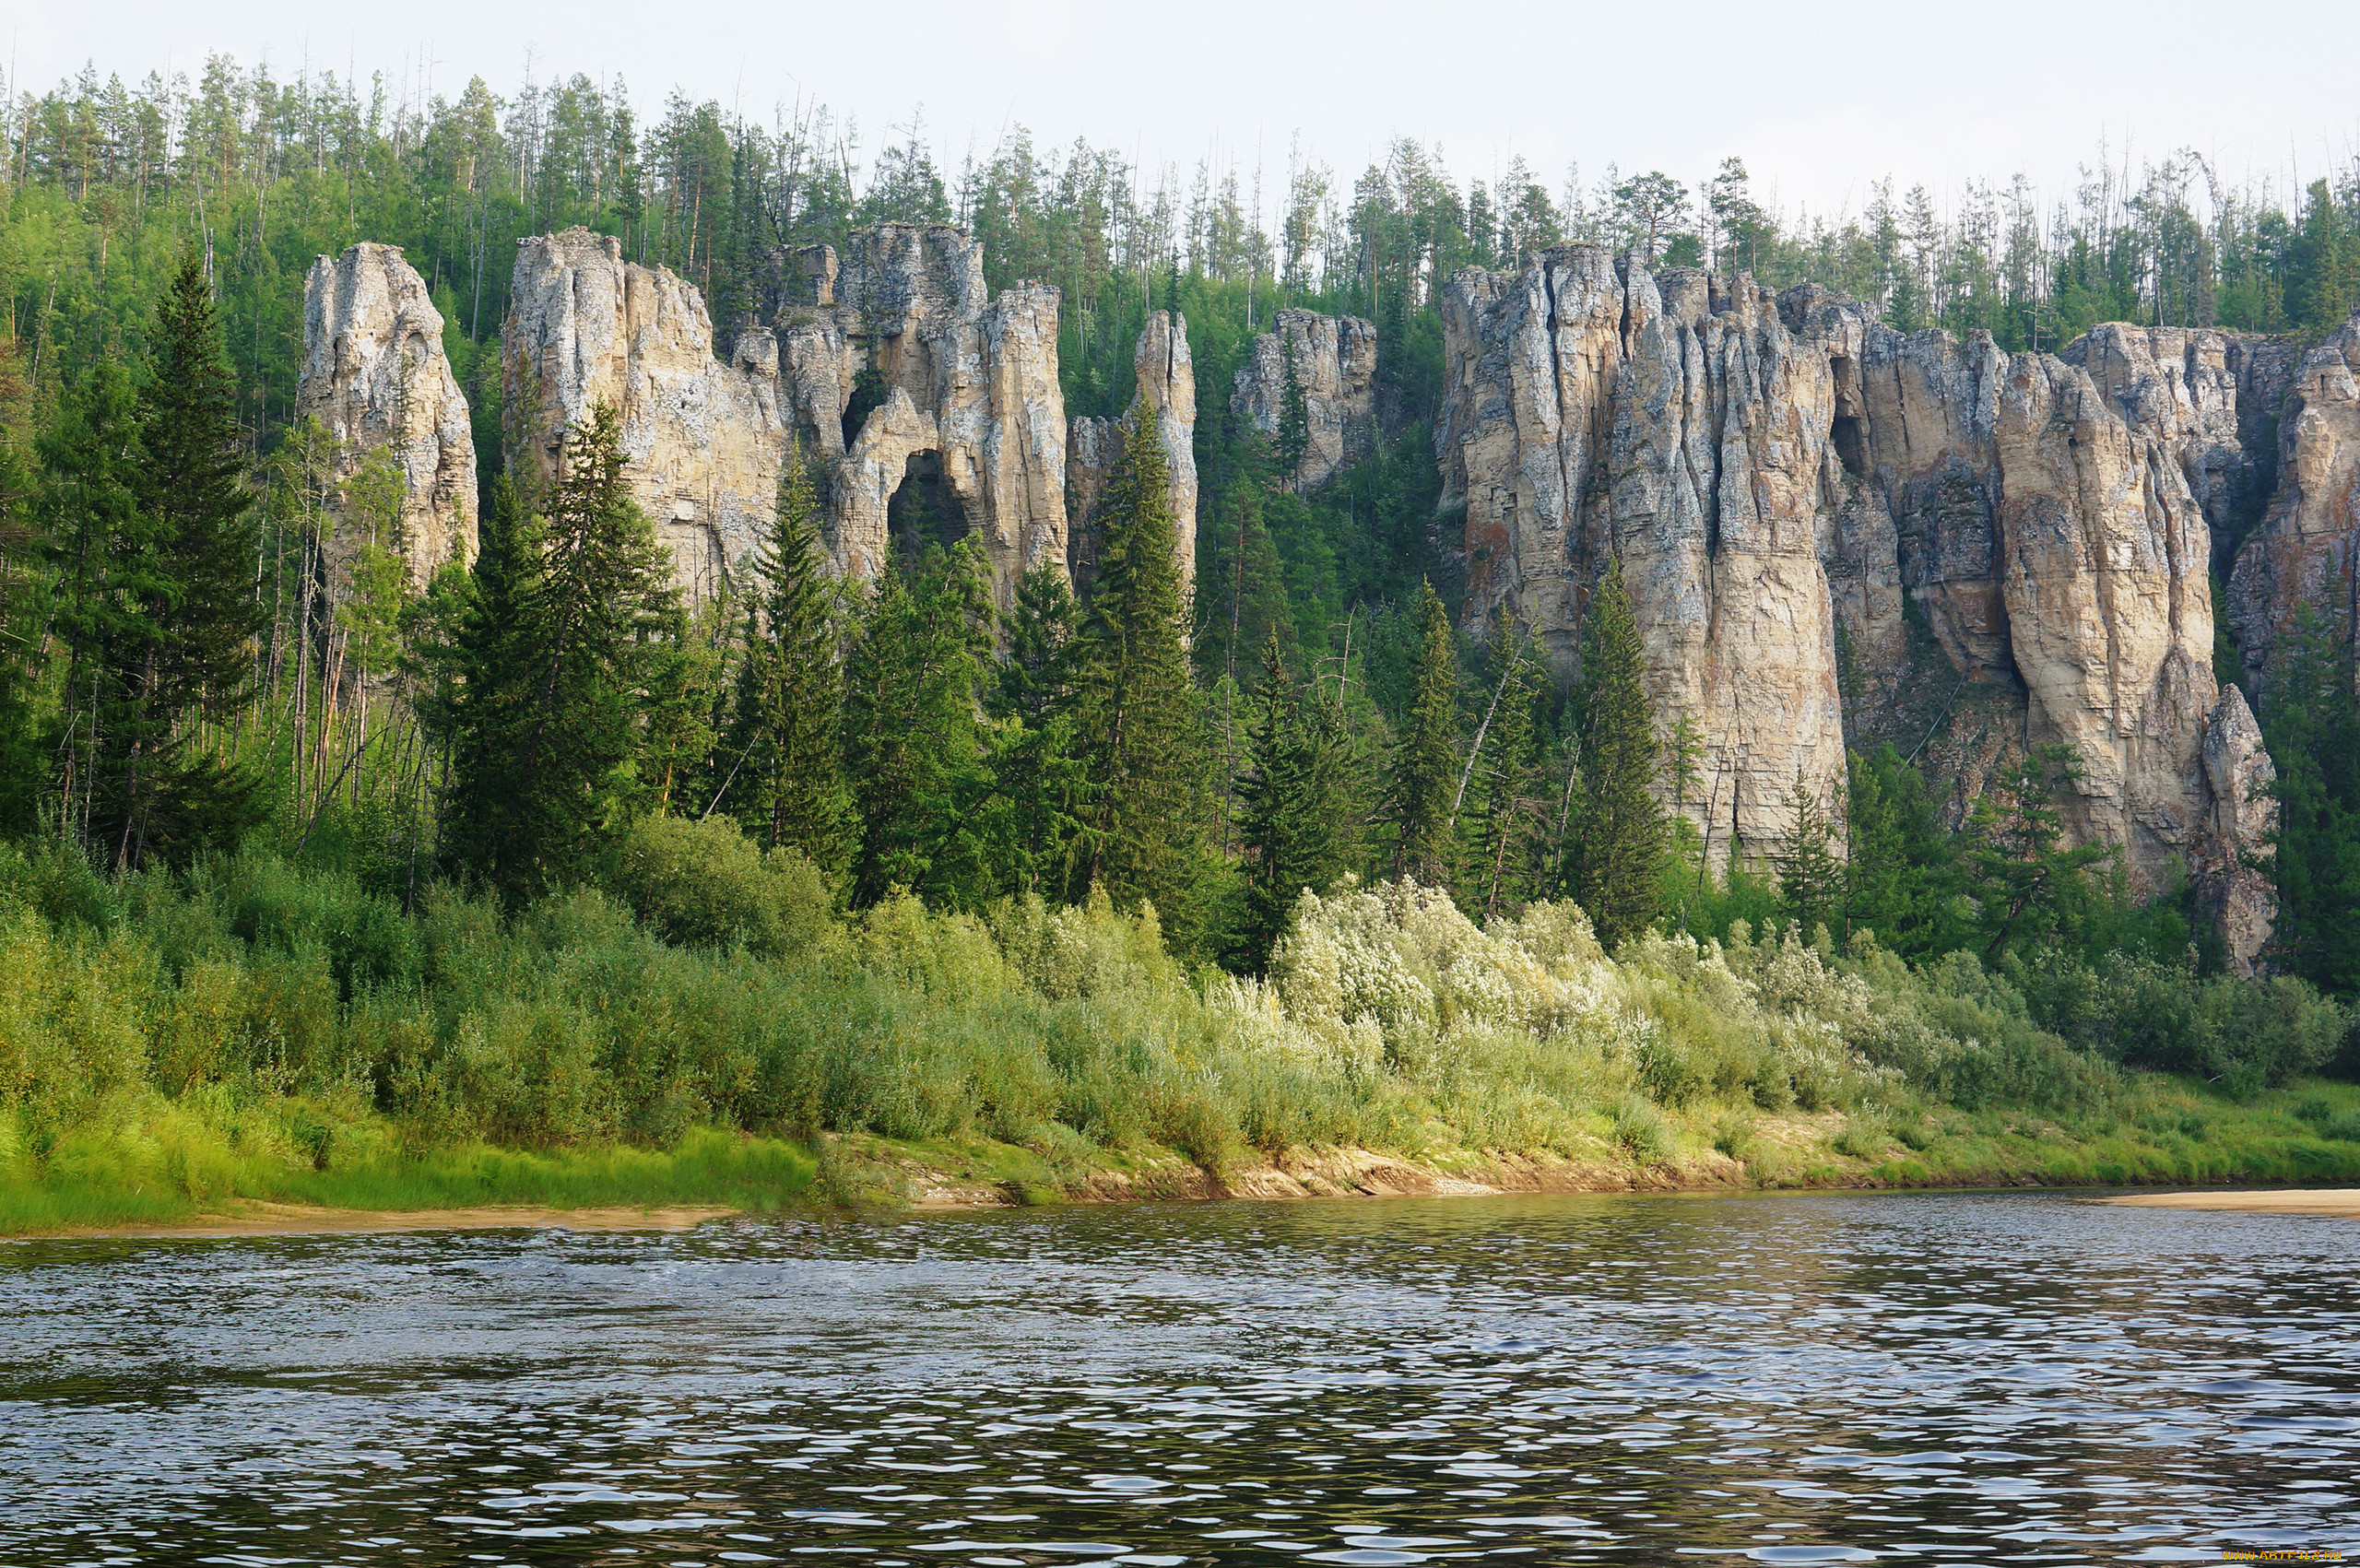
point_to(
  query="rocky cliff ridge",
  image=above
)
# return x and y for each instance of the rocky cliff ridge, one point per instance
(961, 395)
(1811, 507)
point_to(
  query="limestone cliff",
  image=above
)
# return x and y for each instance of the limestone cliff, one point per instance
(969, 384)
(2303, 551)
(1166, 396)
(375, 375)
(1785, 479)
(1590, 411)
(704, 441)
(980, 378)
(1333, 359)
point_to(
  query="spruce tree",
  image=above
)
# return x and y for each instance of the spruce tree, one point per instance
(1424, 780)
(2312, 724)
(2023, 880)
(1334, 782)
(24, 608)
(553, 770)
(786, 742)
(1614, 844)
(915, 744)
(1293, 439)
(1036, 674)
(152, 536)
(473, 665)
(1511, 804)
(1279, 823)
(1138, 720)
(1038, 809)
(1811, 878)
(193, 485)
(1900, 870)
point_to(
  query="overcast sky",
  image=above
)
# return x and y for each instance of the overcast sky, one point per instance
(1818, 99)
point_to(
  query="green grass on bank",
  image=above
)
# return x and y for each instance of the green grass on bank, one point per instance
(159, 1162)
(154, 1161)
(2165, 1131)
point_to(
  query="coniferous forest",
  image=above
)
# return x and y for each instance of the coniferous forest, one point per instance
(534, 879)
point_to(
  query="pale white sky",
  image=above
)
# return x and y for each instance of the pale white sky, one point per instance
(1818, 98)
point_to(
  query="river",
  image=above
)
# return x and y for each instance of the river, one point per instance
(1930, 1378)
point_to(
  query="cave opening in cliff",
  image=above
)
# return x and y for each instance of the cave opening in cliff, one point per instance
(1851, 445)
(922, 513)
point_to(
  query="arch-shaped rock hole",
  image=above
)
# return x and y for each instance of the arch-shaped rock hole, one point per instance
(922, 511)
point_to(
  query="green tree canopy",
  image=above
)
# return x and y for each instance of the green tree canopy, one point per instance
(1614, 844)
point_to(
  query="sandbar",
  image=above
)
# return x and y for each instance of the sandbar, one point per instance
(2344, 1201)
(297, 1220)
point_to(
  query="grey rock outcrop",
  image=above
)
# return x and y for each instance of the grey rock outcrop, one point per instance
(704, 441)
(979, 407)
(911, 301)
(2233, 888)
(1785, 479)
(1591, 412)
(375, 376)
(1334, 361)
(1166, 396)
(2303, 551)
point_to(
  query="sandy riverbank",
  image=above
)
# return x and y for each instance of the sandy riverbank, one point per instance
(297, 1220)
(2344, 1201)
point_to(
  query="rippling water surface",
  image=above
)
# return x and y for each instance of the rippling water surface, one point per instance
(1931, 1378)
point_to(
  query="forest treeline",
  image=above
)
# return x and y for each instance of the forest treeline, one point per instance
(216, 674)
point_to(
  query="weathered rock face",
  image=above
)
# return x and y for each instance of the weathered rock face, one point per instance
(1783, 478)
(375, 376)
(2212, 397)
(2236, 894)
(705, 440)
(976, 378)
(1167, 397)
(1593, 411)
(910, 301)
(1334, 361)
(2303, 552)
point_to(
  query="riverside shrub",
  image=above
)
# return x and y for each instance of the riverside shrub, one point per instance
(716, 988)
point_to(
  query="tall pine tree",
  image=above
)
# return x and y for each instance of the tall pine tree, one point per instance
(1810, 876)
(1039, 807)
(2024, 879)
(915, 744)
(1137, 701)
(471, 665)
(151, 536)
(785, 746)
(2312, 723)
(1277, 826)
(548, 768)
(1902, 872)
(1424, 780)
(1511, 794)
(1614, 844)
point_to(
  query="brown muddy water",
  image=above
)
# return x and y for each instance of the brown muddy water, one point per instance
(1925, 1378)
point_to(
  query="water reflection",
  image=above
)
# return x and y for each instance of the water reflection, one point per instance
(1933, 1378)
